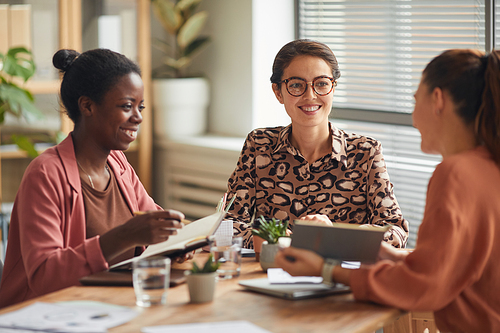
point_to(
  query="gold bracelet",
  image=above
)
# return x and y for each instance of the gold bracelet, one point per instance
(326, 272)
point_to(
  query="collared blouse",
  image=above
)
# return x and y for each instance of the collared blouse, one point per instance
(349, 185)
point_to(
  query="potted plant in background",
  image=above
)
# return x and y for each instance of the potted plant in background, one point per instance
(269, 231)
(201, 281)
(180, 102)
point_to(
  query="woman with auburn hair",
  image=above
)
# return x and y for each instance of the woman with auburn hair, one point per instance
(453, 271)
(310, 169)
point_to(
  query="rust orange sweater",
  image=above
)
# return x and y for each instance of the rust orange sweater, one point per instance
(454, 270)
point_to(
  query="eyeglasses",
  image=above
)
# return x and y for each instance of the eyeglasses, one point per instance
(322, 85)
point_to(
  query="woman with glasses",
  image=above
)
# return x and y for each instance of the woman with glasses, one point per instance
(310, 169)
(453, 270)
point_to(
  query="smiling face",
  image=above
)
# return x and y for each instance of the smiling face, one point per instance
(117, 117)
(310, 109)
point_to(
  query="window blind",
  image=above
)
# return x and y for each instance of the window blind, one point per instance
(382, 46)
(409, 169)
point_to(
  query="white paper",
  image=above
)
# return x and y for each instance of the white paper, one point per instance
(279, 276)
(77, 316)
(217, 327)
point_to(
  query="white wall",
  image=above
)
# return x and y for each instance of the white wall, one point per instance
(245, 37)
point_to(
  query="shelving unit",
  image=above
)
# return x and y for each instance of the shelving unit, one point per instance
(70, 36)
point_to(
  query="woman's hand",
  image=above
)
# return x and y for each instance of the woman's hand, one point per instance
(317, 219)
(389, 252)
(152, 227)
(141, 230)
(299, 262)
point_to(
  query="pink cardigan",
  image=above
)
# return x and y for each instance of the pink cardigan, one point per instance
(454, 270)
(47, 246)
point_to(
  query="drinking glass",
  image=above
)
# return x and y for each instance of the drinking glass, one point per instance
(151, 278)
(227, 252)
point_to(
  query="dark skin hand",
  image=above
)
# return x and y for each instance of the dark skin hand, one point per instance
(141, 230)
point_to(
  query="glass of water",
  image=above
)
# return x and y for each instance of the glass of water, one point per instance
(227, 252)
(151, 278)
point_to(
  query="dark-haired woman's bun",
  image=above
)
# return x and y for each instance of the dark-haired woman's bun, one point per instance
(64, 58)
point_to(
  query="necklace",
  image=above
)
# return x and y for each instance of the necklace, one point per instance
(90, 179)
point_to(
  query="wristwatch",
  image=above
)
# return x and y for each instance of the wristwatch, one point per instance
(326, 272)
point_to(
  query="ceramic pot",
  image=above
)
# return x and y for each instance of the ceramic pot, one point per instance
(267, 255)
(201, 286)
(180, 106)
(257, 246)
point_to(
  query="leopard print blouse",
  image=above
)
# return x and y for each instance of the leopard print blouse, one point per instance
(350, 185)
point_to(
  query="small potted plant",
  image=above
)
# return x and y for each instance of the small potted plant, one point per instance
(269, 231)
(201, 281)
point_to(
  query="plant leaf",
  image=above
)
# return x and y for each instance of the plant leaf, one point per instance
(19, 102)
(190, 30)
(195, 45)
(169, 17)
(24, 143)
(19, 62)
(176, 63)
(187, 5)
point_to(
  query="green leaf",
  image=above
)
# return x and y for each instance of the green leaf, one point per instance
(176, 63)
(190, 30)
(194, 46)
(270, 230)
(19, 102)
(169, 17)
(187, 5)
(24, 143)
(210, 266)
(19, 62)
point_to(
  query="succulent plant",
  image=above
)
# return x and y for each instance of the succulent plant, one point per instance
(209, 267)
(270, 230)
(180, 19)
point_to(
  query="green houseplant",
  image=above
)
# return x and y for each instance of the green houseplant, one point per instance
(180, 19)
(266, 233)
(270, 230)
(201, 281)
(180, 101)
(18, 65)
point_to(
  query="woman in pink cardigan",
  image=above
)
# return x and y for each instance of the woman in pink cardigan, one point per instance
(74, 211)
(454, 268)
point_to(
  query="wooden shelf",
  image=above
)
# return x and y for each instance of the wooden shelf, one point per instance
(70, 37)
(40, 87)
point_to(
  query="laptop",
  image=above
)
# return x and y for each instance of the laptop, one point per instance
(293, 291)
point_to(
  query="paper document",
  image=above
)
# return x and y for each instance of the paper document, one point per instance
(78, 316)
(279, 276)
(217, 327)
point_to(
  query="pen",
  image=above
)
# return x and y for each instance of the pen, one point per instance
(139, 212)
(99, 316)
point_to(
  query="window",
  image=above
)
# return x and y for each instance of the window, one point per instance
(382, 47)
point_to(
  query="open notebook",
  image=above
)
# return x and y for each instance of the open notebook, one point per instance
(189, 238)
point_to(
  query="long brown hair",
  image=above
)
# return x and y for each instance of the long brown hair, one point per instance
(473, 81)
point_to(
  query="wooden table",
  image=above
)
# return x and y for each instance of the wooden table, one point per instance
(337, 313)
